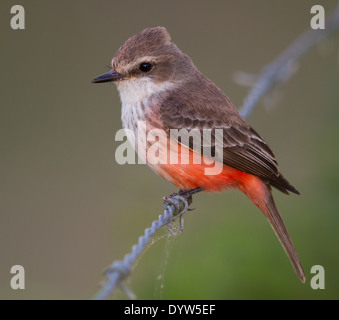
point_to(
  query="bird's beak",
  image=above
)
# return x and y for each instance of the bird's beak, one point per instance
(108, 77)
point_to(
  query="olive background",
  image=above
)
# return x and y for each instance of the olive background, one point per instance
(68, 210)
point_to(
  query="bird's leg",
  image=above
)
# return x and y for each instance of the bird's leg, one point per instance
(181, 201)
(189, 193)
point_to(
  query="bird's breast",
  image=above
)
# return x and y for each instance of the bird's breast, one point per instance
(132, 114)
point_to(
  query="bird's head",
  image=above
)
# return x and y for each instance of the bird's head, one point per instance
(148, 61)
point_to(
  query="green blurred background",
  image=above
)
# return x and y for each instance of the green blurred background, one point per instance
(68, 210)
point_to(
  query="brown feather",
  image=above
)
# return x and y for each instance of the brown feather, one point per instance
(273, 216)
(243, 148)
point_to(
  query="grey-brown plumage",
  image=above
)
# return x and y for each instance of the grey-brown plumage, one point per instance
(243, 149)
(180, 107)
(160, 84)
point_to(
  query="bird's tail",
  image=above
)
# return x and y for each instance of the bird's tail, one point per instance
(266, 204)
(273, 216)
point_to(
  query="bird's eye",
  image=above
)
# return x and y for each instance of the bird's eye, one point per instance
(145, 67)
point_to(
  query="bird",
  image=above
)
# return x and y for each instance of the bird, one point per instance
(160, 86)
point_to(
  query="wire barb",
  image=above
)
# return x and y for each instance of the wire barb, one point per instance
(174, 206)
(180, 204)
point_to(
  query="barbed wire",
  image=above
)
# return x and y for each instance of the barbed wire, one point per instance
(279, 70)
(176, 206)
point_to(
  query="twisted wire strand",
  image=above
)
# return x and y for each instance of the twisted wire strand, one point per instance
(177, 206)
(120, 270)
(276, 70)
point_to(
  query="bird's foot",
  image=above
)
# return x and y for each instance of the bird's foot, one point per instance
(180, 202)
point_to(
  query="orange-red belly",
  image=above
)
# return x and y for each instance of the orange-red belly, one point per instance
(193, 175)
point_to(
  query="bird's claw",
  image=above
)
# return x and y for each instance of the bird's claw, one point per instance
(180, 205)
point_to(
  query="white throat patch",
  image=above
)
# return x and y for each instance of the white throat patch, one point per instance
(137, 96)
(139, 90)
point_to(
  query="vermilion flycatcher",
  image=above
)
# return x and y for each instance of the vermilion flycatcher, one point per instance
(160, 85)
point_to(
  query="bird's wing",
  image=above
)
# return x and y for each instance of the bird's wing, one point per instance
(243, 148)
